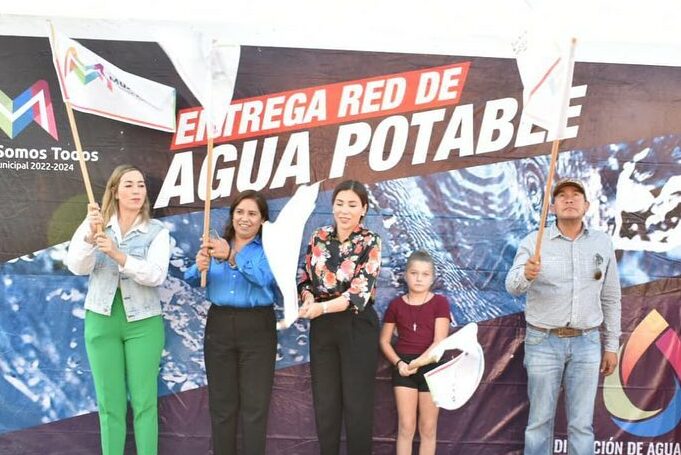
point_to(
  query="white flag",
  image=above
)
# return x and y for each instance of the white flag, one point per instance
(453, 383)
(282, 239)
(546, 65)
(95, 86)
(207, 67)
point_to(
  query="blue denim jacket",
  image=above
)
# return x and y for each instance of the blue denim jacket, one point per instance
(139, 301)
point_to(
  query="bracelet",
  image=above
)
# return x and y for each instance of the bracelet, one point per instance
(325, 307)
(397, 364)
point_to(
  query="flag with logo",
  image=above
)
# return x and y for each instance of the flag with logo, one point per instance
(208, 67)
(546, 63)
(95, 86)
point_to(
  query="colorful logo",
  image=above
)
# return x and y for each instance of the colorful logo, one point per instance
(34, 104)
(85, 73)
(653, 330)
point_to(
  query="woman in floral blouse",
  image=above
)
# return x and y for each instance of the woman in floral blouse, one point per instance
(337, 289)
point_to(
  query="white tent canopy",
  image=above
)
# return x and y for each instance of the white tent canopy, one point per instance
(608, 30)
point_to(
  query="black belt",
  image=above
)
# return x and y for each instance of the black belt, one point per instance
(563, 332)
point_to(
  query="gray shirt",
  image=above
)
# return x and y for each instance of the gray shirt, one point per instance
(566, 292)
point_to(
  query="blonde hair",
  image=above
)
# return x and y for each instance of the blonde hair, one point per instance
(109, 202)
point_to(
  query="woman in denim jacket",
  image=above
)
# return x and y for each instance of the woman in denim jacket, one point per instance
(126, 254)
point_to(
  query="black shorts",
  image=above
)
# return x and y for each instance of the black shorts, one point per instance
(416, 380)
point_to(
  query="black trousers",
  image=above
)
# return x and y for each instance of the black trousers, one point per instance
(343, 359)
(239, 349)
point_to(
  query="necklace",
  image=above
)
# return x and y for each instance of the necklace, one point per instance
(411, 309)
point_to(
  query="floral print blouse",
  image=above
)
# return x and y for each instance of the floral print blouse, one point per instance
(349, 268)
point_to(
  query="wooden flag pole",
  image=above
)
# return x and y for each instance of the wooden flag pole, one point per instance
(81, 158)
(79, 148)
(206, 206)
(554, 151)
(76, 140)
(547, 197)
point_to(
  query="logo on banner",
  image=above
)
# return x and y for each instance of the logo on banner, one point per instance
(85, 73)
(653, 332)
(33, 105)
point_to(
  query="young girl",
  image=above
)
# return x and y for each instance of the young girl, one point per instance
(422, 320)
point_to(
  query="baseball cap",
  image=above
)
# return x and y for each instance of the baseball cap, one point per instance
(562, 183)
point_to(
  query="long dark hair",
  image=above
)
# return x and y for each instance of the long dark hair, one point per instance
(260, 201)
(356, 187)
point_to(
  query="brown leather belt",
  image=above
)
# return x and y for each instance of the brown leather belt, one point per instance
(563, 332)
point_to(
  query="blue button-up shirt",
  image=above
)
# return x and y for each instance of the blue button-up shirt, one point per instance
(566, 293)
(249, 284)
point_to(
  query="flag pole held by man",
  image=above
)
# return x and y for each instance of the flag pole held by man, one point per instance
(546, 67)
(571, 285)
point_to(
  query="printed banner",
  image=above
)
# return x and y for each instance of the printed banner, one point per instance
(451, 167)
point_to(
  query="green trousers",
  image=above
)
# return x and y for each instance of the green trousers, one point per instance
(121, 354)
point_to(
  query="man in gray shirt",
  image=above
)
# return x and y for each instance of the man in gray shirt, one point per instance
(572, 291)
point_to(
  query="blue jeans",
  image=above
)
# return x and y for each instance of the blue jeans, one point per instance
(551, 361)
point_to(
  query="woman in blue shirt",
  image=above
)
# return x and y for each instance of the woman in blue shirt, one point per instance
(240, 341)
